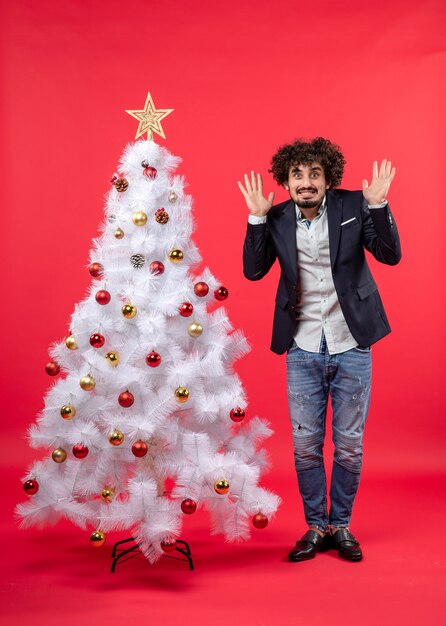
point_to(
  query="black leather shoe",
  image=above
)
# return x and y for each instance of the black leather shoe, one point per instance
(346, 545)
(307, 547)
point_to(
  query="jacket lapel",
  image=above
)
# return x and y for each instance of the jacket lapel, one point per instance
(288, 226)
(334, 216)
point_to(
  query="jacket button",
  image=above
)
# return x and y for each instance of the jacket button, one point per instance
(291, 307)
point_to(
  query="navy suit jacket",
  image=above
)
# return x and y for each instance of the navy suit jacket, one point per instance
(374, 230)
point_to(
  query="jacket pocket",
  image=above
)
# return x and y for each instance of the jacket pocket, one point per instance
(365, 290)
(349, 222)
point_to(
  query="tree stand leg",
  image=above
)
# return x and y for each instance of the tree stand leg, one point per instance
(120, 555)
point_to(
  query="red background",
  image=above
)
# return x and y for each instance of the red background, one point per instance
(243, 78)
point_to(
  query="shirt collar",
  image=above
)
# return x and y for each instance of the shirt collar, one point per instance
(319, 213)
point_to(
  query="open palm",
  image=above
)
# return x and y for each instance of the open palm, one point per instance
(376, 192)
(253, 194)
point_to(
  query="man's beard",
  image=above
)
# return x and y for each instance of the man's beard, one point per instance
(308, 204)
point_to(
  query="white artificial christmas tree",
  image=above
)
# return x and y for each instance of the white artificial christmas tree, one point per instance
(149, 392)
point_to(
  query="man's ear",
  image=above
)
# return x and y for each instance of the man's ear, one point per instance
(285, 186)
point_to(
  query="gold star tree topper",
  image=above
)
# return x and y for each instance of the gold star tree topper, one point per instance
(150, 119)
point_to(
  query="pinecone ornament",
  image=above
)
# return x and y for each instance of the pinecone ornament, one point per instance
(137, 260)
(161, 216)
(121, 184)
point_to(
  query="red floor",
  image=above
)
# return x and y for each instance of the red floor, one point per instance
(53, 576)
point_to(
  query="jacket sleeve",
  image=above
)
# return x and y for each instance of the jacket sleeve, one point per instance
(259, 252)
(381, 234)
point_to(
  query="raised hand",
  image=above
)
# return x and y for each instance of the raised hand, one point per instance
(253, 194)
(377, 191)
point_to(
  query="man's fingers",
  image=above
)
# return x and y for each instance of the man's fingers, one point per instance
(365, 184)
(392, 174)
(253, 181)
(242, 189)
(253, 192)
(382, 169)
(375, 170)
(259, 183)
(388, 168)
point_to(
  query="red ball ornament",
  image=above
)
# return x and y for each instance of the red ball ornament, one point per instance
(153, 359)
(221, 293)
(150, 172)
(31, 486)
(103, 297)
(96, 270)
(52, 368)
(169, 546)
(126, 399)
(237, 415)
(80, 451)
(140, 448)
(186, 309)
(201, 289)
(97, 340)
(188, 506)
(156, 267)
(260, 521)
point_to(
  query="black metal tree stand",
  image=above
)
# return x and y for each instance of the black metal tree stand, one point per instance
(120, 555)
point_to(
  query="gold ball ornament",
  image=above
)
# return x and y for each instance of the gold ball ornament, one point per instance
(97, 538)
(195, 329)
(87, 382)
(172, 197)
(70, 342)
(59, 455)
(182, 394)
(67, 411)
(116, 437)
(221, 486)
(176, 256)
(112, 358)
(107, 494)
(129, 311)
(139, 218)
(119, 233)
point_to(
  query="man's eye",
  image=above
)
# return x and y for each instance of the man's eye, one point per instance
(315, 175)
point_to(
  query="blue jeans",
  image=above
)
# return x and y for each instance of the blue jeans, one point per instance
(311, 376)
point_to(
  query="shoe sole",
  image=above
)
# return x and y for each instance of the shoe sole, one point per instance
(354, 559)
(306, 558)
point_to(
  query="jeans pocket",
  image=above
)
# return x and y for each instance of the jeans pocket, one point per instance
(297, 354)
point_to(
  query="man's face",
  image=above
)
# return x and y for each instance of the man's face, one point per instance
(306, 184)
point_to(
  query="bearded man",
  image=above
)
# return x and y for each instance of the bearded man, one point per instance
(328, 314)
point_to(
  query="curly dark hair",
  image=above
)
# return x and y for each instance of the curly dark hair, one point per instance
(300, 152)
